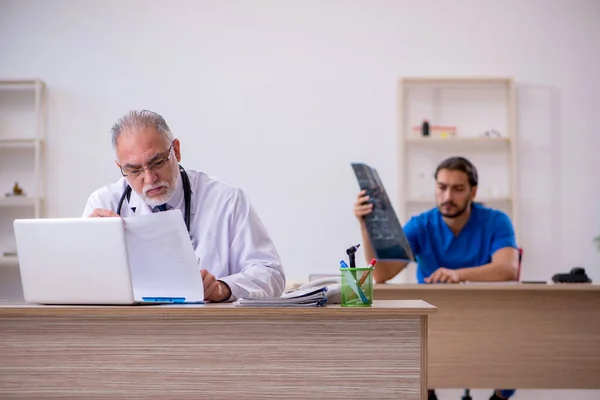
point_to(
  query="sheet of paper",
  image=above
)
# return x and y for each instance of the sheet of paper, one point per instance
(161, 257)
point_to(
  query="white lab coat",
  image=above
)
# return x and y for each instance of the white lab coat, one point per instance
(228, 237)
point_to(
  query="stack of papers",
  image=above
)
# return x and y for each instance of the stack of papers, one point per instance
(309, 297)
(162, 260)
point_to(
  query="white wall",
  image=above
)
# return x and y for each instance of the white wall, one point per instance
(279, 96)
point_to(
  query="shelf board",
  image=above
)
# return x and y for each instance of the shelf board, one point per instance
(19, 142)
(9, 261)
(447, 80)
(19, 83)
(421, 140)
(16, 201)
(484, 200)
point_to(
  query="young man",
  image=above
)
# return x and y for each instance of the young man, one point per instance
(236, 255)
(457, 241)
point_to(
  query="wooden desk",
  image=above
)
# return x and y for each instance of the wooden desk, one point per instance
(214, 351)
(510, 335)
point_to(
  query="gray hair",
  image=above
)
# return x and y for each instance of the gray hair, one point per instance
(134, 121)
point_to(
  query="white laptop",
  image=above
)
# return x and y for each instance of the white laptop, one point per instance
(139, 260)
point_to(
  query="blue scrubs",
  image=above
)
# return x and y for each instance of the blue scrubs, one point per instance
(435, 245)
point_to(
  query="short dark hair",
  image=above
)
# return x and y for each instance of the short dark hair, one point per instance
(459, 164)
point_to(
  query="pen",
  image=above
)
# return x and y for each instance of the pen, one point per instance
(364, 276)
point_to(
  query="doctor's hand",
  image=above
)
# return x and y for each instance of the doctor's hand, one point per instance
(101, 212)
(443, 275)
(361, 207)
(214, 290)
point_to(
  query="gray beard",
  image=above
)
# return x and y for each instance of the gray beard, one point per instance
(172, 187)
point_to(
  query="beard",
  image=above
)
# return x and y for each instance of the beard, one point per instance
(449, 209)
(170, 185)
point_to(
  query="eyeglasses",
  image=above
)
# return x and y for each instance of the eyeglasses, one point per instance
(159, 161)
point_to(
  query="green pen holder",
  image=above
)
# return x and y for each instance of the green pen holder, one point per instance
(357, 287)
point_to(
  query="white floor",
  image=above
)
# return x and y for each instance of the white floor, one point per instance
(483, 394)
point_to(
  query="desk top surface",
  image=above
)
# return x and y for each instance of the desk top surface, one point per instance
(380, 308)
(489, 286)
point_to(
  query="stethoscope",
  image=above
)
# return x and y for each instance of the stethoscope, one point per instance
(187, 197)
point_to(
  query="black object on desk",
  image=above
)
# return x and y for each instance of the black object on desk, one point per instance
(385, 231)
(351, 251)
(576, 275)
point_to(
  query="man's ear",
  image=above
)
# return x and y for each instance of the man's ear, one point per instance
(473, 192)
(176, 149)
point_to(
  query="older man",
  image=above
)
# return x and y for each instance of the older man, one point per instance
(237, 257)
